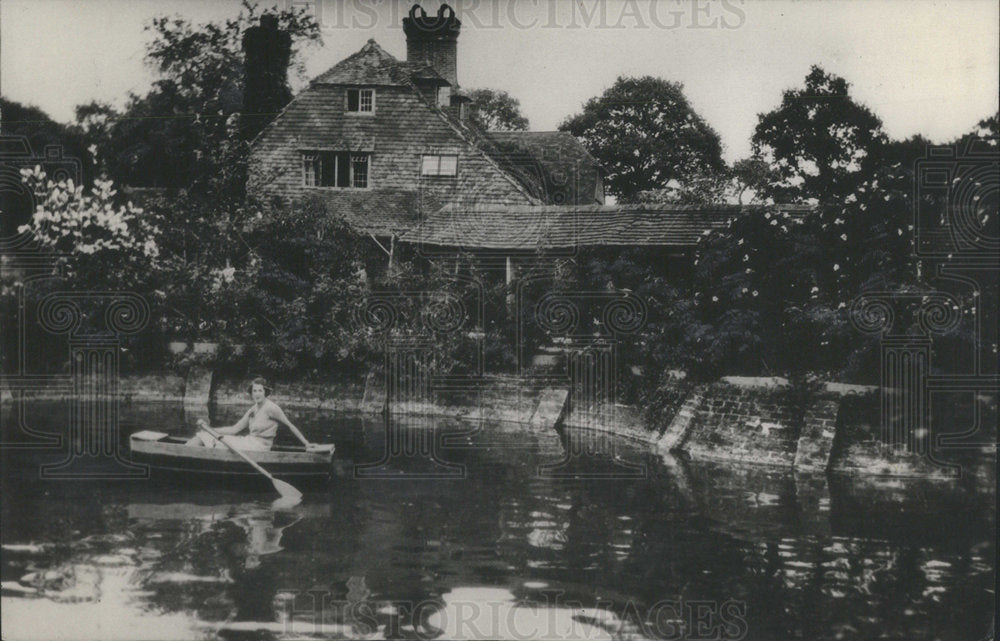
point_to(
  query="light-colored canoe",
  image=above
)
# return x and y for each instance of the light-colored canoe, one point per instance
(164, 452)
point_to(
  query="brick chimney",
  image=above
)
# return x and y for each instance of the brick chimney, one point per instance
(434, 40)
(267, 51)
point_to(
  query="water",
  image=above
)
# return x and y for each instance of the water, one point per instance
(684, 551)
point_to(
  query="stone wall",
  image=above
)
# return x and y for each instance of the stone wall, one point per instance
(859, 447)
(744, 421)
(623, 420)
(759, 421)
(756, 420)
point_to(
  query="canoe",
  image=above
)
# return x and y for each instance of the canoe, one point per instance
(170, 454)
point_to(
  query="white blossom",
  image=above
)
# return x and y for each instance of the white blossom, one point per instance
(71, 222)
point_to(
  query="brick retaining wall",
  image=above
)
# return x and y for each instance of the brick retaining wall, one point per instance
(736, 419)
(744, 422)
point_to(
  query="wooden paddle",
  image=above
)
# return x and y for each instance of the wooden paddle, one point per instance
(286, 490)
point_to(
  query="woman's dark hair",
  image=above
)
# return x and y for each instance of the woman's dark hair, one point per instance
(260, 380)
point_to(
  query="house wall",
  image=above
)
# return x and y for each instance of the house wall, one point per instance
(402, 129)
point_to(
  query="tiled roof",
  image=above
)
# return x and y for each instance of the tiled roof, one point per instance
(568, 173)
(370, 65)
(421, 72)
(559, 227)
(550, 167)
(373, 66)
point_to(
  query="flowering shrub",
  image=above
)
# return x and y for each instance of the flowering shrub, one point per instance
(90, 233)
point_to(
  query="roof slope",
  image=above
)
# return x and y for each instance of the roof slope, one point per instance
(569, 175)
(530, 228)
(370, 65)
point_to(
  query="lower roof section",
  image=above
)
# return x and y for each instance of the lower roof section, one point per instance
(556, 227)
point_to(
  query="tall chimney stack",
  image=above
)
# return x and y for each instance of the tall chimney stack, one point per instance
(267, 51)
(434, 40)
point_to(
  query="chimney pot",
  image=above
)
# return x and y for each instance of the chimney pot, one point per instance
(434, 40)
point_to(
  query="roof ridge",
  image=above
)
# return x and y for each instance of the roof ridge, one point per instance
(370, 47)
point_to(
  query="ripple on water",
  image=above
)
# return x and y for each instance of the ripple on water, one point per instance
(183, 561)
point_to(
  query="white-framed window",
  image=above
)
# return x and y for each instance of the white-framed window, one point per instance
(359, 170)
(439, 165)
(361, 101)
(336, 169)
(312, 167)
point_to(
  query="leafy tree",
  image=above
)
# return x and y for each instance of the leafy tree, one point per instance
(646, 134)
(987, 129)
(185, 129)
(807, 270)
(41, 132)
(96, 240)
(697, 189)
(820, 143)
(753, 175)
(291, 298)
(91, 236)
(496, 110)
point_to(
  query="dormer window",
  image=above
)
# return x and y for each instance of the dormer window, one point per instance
(444, 96)
(361, 101)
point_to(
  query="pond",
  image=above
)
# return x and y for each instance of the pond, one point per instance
(500, 538)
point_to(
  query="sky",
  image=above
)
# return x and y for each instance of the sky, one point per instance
(923, 66)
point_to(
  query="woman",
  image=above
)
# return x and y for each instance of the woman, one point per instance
(262, 420)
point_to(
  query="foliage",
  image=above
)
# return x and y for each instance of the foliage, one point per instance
(756, 296)
(290, 297)
(91, 236)
(820, 143)
(646, 134)
(697, 189)
(496, 110)
(205, 242)
(753, 175)
(181, 133)
(41, 131)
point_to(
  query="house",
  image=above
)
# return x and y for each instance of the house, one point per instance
(388, 146)
(384, 143)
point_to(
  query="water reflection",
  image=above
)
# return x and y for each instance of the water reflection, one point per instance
(504, 552)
